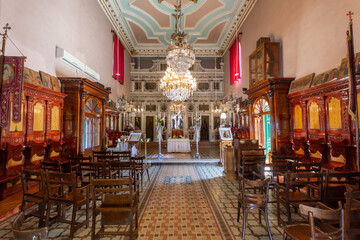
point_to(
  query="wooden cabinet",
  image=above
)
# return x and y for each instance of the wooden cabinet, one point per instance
(269, 114)
(264, 62)
(84, 116)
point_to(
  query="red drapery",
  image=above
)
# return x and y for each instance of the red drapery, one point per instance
(235, 62)
(118, 60)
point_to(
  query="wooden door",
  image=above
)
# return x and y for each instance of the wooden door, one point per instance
(204, 133)
(150, 127)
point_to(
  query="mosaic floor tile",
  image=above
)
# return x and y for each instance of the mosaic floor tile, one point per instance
(182, 201)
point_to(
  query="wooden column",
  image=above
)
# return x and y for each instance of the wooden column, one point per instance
(103, 126)
(82, 123)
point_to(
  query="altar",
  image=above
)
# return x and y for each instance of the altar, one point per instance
(178, 145)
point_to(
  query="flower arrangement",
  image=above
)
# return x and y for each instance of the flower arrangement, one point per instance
(197, 121)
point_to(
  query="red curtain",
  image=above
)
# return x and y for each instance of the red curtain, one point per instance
(118, 60)
(235, 62)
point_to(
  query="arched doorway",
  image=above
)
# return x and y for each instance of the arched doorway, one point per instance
(261, 114)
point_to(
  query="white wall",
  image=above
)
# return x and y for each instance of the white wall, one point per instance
(78, 26)
(312, 34)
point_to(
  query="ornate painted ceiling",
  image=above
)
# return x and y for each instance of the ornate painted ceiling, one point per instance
(145, 26)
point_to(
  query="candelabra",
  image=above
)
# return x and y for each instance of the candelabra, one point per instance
(145, 140)
(159, 131)
(197, 138)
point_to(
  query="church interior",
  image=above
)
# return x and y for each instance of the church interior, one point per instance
(180, 119)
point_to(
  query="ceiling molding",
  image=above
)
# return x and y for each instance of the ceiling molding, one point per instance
(155, 27)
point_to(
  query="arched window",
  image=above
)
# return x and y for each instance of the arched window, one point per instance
(92, 124)
(261, 115)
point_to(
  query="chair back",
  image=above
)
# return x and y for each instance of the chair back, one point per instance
(302, 167)
(336, 184)
(88, 170)
(352, 214)
(324, 214)
(96, 154)
(108, 158)
(123, 155)
(64, 181)
(31, 177)
(27, 234)
(54, 166)
(305, 179)
(261, 195)
(113, 192)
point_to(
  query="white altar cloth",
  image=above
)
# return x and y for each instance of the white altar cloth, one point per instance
(178, 145)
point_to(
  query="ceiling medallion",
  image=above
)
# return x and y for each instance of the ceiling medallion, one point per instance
(178, 84)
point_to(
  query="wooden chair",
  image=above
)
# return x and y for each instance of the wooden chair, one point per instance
(125, 169)
(336, 184)
(249, 161)
(27, 234)
(309, 231)
(34, 192)
(257, 200)
(306, 167)
(54, 166)
(88, 170)
(96, 154)
(291, 192)
(70, 195)
(108, 158)
(119, 206)
(141, 167)
(123, 155)
(352, 214)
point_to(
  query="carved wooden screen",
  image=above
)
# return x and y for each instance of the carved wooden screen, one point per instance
(314, 115)
(334, 113)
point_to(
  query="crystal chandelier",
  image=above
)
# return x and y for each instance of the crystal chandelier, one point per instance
(177, 88)
(178, 84)
(179, 56)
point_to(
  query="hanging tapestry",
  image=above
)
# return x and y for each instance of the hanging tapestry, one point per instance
(11, 85)
(118, 60)
(235, 62)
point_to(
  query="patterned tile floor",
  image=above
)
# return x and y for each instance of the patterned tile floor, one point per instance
(195, 202)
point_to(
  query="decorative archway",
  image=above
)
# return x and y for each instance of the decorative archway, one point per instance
(261, 116)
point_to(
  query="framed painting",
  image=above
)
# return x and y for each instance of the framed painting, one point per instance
(301, 83)
(357, 63)
(134, 137)
(225, 134)
(343, 70)
(33, 77)
(325, 77)
(46, 80)
(55, 84)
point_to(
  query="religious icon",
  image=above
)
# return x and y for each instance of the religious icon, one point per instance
(225, 133)
(8, 74)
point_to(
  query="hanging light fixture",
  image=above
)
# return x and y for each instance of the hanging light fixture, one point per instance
(179, 56)
(177, 88)
(178, 84)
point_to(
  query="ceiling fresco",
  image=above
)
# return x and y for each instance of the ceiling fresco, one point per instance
(145, 26)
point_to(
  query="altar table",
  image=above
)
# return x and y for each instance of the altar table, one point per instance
(178, 145)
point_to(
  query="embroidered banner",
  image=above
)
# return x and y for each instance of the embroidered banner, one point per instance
(11, 85)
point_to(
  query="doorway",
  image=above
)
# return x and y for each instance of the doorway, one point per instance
(150, 127)
(262, 124)
(204, 132)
